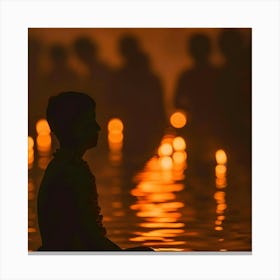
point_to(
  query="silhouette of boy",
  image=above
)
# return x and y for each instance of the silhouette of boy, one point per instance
(68, 211)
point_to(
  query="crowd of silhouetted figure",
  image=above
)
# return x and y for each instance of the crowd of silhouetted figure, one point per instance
(217, 100)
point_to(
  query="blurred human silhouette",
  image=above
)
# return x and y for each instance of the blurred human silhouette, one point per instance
(59, 77)
(138, 101)
(195, 94)
(97, 78)
(68, 210)
(87, 52)
(35, 77)
(234, 93)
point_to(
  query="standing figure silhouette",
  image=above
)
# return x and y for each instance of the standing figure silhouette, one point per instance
(195, 93)
(96, 79)
(68, 212)
(234, 92)
(138, 100)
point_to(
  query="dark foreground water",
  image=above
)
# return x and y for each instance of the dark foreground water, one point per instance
(169, 207)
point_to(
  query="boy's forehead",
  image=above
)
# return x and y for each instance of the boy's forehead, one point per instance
(88, 114)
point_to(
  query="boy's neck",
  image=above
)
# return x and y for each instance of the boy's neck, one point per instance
(76, 152)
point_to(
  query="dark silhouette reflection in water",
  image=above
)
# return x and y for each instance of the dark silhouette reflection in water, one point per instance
(138, 101)
(195, 94)
(68, 211)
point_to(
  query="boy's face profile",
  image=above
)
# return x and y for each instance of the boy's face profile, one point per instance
(87, 129)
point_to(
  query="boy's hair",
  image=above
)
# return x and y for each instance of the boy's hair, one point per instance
(64, 110)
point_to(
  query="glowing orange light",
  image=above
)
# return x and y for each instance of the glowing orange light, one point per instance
(168, 138)
(168, 250)
(221, 218)
(171, 205)
(162, 225)
(115, 137)
(151, 213)
(218, 223)
(30, 152)
(221, 157)
(165, 149)
(31, 229)
(166, 162)
(42, 127)
(157, 213)
(179, 157)
(164, 232)
(44, 142)
(162, 219)
(178, 119)
(30, 156)
(115, 125)
(30, 143)
(171, 243)
(179, 144)
(221, 207)
(145, 238)
(219, 228)
(161, 197)
(219, 195)
(220, 171)
(115, 146)
(148, 187)
(221, 182)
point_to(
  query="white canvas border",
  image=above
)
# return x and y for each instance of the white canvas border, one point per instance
(17, 16)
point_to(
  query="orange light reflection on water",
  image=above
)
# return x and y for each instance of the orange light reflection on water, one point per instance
(220, 196)
(179, 157)
(179, 144)
(115, 140)
(30, 152)
(156, 203)
(165, 149)
(164, 224)
(161, 197)
(43, 143)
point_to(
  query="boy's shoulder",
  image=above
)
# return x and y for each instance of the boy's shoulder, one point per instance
(69, 170)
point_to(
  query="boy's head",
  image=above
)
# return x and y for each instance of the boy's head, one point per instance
(71, 116)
